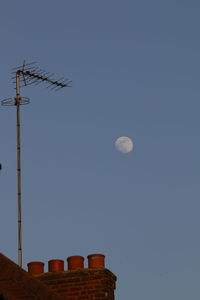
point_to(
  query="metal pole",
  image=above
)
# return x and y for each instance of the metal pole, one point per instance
(29, 76)
(17, 103)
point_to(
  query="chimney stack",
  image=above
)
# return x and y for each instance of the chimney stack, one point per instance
(77, 283)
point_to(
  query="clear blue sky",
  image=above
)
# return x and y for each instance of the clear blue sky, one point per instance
(135, 67)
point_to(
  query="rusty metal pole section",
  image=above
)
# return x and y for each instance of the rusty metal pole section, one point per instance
(17, 100)
(27, 74)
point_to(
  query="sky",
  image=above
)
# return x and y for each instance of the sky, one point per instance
(134, 67)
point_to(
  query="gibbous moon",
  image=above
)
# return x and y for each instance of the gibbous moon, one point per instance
(124, 144)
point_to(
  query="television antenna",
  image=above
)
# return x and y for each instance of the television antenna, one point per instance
(24, 75)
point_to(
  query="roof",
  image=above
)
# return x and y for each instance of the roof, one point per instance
(17, 284)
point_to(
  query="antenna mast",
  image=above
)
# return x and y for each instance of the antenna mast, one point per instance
(27, 74)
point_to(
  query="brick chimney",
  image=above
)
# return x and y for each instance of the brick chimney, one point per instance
(77, 283)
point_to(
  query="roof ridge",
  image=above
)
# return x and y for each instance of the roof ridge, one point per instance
(16, 283)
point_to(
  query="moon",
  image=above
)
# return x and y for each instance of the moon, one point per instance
(124, 144)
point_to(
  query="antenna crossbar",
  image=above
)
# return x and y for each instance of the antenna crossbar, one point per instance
(31, 74)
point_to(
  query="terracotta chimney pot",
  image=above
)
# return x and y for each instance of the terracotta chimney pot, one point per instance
(96, 261)
(75, 262)
(35, 267)
(56, 265)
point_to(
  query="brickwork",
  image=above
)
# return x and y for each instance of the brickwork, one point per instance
(74, 284)
(81, 284)
(17, 284)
